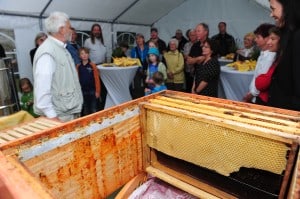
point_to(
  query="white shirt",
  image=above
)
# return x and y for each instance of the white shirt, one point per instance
(45, 68)
(264, 62)
(97, 50)
(186, 51)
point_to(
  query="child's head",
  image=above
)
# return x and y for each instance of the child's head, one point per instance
(25, 85)
(158, 78)
(84, 54)
(153, 55)
(152, 44)
(262, 35)
(124, 46)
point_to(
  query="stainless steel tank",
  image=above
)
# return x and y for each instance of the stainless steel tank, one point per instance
(9, 102)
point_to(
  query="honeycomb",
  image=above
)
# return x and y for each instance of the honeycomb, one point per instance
(213, 146)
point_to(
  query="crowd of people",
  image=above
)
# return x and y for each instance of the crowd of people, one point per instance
(188, 65)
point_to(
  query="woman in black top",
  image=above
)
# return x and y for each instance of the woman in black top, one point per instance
(285, 84)
(208, 72)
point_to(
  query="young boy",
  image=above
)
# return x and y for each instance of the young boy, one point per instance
(158, 80)
(26, 101)
(90, 82)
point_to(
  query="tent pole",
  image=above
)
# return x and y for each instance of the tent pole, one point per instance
(42, 13)
(112, 38)
(124, 11)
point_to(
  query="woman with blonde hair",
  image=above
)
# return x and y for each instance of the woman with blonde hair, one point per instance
(249, 48)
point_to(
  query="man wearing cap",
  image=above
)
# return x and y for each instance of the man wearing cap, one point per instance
(162, 47)
(181, 40)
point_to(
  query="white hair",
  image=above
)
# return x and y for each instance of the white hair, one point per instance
(55, 21)
(175, 41)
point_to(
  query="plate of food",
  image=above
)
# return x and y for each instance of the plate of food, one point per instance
(248, 65)
(126, 62)
(107, 65)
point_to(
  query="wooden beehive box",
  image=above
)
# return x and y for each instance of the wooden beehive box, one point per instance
(206, 146)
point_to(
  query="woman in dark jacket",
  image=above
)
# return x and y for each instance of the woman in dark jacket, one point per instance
(208, 72)
(285, 85)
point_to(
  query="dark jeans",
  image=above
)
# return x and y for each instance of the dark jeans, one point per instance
(189, 80)
(174, 87)
(90, 103)
(101, 102)
(137, 90)
(260, 102)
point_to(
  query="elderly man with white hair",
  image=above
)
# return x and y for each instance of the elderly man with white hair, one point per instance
(175, 67)
(56, 85)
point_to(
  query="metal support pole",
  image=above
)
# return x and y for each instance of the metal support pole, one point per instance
(42, 13)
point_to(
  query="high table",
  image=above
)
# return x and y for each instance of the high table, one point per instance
(117, 81)
(234, 84)
(224, 61)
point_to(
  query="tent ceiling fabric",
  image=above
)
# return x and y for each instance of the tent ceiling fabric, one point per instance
(264, 3)
(148, 12)
(144, 12)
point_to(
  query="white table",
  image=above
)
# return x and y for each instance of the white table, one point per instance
(234, 84)
(224, 61)
(117, 81)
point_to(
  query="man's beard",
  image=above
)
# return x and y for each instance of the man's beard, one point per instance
(68, 36)
(97, 35)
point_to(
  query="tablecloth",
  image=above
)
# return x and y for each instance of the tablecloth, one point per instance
(234, 84)
(224, 61)
(117, 81)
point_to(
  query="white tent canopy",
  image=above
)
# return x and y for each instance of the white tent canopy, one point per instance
(110, 11)
(26, 17)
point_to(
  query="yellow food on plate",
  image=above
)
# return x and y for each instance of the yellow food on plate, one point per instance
(125, 61)
(248, 65)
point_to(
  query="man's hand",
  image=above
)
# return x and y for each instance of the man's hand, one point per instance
(195, 60)
(191, 60)
(97, 94)
(55, 119)
(170, 75)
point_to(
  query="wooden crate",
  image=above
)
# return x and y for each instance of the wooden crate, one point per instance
(91, 157)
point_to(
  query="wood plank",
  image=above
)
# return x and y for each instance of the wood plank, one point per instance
(218, 102)
(238, 126)
(2, 141)
(230, 116)
(48, 122)
(7, 137)
(26, 132)
(14, 133)
(45, 123)
(145, 149)
(248, 114)
(133, 184)
(38, 126)
(16, 182)
(288, 171)
(180, 184)
(194, 182)
(30, 128)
